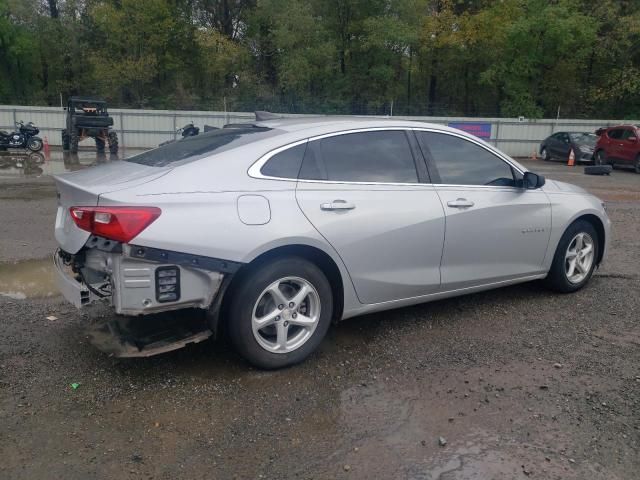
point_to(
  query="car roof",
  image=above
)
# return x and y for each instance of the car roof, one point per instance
(331, 124)
(86, 100)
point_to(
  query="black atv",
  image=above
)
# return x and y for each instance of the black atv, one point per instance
(88, 117)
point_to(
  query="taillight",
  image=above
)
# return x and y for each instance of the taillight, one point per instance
(115, 223)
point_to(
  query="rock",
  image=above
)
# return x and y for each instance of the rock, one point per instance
(571, 460)
(544, 387)
(442, 441)
(347, 468)
(557, 365)
(423, 443)
(136, 457)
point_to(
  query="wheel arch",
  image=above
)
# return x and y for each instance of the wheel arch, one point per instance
(322, 259)
(598, 225)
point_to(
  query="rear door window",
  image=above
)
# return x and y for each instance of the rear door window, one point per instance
(461, 162)
(194, 148)
(369, 157)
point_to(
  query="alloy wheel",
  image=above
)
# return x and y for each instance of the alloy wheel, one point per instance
(286, 314)
(579, 257)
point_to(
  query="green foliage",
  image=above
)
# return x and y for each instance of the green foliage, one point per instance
(445, 57)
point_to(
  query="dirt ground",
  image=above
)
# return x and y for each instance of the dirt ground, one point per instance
(512, 383)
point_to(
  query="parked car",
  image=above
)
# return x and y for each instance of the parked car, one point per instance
(559, 145)
(277, 228)
(618, 146)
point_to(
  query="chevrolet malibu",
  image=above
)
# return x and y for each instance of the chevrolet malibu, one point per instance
(272, 230)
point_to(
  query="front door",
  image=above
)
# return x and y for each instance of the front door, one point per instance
(495, 230)
(362, 192)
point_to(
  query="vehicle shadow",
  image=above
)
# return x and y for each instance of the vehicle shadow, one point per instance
(347, 340)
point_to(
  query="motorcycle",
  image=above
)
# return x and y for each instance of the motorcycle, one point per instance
(189, 130)
(23, 137)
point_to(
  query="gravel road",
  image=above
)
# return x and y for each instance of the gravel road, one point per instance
(512, 383)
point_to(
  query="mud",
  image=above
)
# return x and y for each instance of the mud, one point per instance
(519, 382)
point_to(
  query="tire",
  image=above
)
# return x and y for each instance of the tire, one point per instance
(65, 140)
(598, 170)
(73, 141)
(600, 158)
(250, 296)
(545, 154)
(558, 278)
(99, 145)
(113, 142)
(636, 164)
(34, 144)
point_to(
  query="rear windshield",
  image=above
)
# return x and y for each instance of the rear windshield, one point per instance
(586, 138)
(190, 149)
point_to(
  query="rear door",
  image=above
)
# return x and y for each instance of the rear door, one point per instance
(628, 147)
(495, 230)
(369, 198)
(612, 148)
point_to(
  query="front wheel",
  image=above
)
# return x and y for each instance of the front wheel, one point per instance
(34, 144)
(575, 258)
(279, 312)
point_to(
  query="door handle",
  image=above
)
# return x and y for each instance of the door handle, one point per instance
(337, 205)
(460, 203)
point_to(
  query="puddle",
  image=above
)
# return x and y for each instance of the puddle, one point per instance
(27, 279)
(17, 163)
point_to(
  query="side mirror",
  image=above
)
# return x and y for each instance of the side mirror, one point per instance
(531, 181)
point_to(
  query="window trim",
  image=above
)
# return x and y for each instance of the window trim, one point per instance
(275, 152)
(254, 169)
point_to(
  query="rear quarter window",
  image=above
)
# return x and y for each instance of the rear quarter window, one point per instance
(194, 148)
(285, 164)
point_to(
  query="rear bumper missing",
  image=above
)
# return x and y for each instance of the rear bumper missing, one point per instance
(71, 288)
(133, 281)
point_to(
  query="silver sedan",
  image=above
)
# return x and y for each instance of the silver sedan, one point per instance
(275, 229)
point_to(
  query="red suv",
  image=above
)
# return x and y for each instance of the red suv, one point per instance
(618, 145)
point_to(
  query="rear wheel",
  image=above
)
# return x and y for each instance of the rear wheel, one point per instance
(545, 155)
(279, 312)
(113, 142)
(575, 258)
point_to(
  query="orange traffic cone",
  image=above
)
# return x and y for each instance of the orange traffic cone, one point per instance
(46, 148)
(572, 159)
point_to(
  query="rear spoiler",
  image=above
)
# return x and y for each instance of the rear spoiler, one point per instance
(600, 131)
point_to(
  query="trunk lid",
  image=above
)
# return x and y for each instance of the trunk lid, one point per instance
(84, 187)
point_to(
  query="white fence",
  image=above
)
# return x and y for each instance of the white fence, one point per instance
(148, 128)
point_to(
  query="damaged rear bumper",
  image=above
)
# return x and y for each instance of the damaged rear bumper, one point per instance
(139, 280)
(136, 281)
